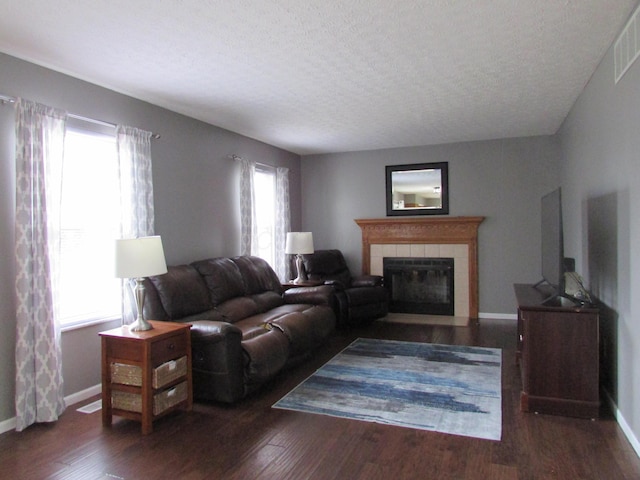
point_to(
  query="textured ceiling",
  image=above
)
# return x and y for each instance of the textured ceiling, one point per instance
(321, 76)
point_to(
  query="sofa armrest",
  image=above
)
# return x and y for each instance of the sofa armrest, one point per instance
(218, 361)
(337, 284)
(367, 281)
(320, 295)
(210, 331)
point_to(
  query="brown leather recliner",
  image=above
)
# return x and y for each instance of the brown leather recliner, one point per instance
(360, 299)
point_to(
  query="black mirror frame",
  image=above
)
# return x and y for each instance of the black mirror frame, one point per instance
(444, 188)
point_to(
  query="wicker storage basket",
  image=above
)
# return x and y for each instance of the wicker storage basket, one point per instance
(162, 374)
(161, 401)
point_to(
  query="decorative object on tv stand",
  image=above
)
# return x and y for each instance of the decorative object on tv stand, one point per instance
(138, 258)
(298, 244)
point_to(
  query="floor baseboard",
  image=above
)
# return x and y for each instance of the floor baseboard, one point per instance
(72, 399)
(633, 440)
(419, 319)
(499, 316)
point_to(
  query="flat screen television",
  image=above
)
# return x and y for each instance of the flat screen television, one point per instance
(552, 242)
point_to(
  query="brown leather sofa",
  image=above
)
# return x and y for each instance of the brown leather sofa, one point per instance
(245, 327)
(359, 299)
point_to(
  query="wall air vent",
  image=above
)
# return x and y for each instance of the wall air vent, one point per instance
(627, 46)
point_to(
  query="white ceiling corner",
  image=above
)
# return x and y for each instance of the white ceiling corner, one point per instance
(330, 76)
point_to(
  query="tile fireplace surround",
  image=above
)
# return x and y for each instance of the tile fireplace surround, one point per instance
(433, 237)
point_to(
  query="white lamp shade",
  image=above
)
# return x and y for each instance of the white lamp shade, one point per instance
(299, 243)
(140, 257)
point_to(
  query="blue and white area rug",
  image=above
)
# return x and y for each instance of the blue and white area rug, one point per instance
(443, 388)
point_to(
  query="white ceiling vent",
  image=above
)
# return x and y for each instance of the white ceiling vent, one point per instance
(627, 47)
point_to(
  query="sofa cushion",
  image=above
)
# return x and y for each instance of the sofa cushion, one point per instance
(237, 309)
(210, 315)
(182, 291)
(252, 327)
(257, 274)
(222, 277)
(265, 301)
(153, 308)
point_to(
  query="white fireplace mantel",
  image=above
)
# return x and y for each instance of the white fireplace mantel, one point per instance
(408, 233)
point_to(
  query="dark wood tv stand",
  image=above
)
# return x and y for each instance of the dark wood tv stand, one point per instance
(558, 354)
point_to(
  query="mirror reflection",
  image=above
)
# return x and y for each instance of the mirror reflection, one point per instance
(417, 189)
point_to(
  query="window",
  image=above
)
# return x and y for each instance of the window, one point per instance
(265, 195)
(264, 213)
(90, 221)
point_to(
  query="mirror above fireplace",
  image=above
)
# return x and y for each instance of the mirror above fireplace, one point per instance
(418, 189)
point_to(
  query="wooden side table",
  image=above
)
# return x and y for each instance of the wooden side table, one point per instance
(305, 283)
(146, 375)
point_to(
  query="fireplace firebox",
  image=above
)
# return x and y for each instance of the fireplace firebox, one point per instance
(420, 285)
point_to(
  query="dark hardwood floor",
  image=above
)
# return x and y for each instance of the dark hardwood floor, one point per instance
(253, 441)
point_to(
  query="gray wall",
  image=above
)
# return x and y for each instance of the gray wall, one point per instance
(502, 180)
(195, 185)
(601, 200)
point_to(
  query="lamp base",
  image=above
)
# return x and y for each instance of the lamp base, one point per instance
(140, 325)
(302, 273)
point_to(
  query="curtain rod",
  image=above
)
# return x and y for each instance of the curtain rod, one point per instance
(238, 157)
(4, 99)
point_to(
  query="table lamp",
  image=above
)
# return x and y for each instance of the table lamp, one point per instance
(138, 258)
(298, 244)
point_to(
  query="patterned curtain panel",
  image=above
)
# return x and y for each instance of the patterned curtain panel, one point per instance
(283, 222)
(39, 156)
(136, 196)
(248, 228)
(136, 181)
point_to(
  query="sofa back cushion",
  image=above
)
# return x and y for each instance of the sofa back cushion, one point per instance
(267, 300)
(181, 291)
(153, 308)
(236, 309)
(258, 276)
(327, 265)
(222, 278)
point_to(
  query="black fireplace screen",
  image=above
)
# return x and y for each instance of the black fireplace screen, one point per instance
(420, 285)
